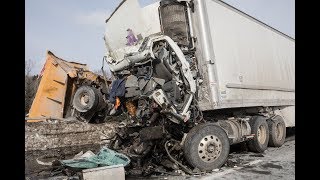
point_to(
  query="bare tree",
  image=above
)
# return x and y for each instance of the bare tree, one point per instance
(29, 65)
(107, 73)
(31, 84)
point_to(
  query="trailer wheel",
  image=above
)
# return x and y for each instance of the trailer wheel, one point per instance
(259, 127)
(85, 99)
(206, 147)
(277, 132)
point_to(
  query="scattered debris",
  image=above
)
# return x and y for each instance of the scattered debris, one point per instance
(270, 165)
(215, 170)
(231, 163)
(105, 157)
(43, 163)
(256, 155)
(102, 173)
(260, 172)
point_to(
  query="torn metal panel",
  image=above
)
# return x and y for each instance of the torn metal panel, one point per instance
(174, 22)
(143, 21)
(132, 81)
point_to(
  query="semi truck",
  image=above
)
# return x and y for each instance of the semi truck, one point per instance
(190, 78)
(236, 70)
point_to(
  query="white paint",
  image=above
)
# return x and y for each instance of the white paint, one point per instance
(249, 53)
(144, 21)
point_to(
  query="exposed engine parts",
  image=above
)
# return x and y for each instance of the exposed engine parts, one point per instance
(188, 79)
(158, 78)
(155, 92)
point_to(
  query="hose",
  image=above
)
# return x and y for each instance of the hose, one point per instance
(153, 117)
(175, 115)
(185, 169)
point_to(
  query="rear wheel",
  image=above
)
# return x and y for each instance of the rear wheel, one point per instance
(259, 127)
(206, 147)
(85, 99)
(277, 130)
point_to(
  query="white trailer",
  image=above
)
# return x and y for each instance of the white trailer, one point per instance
(244, 77)
(249, 63)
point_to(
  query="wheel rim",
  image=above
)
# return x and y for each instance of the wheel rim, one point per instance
(279, 131)
(84, 99)
(262, 134)
(209, 148)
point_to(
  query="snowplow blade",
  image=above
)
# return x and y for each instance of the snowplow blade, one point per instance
(55, 89)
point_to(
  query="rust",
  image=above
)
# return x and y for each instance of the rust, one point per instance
(131, 108)
(117, 104)
(57, 84)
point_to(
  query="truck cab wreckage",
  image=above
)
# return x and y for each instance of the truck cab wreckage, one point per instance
(172, 109)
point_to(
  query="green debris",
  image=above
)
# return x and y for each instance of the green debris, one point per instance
(105, 157)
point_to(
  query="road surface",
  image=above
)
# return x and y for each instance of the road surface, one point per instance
(274, 163)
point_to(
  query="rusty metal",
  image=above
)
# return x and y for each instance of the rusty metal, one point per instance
(131, 108)
(89, 76)
(117, 103)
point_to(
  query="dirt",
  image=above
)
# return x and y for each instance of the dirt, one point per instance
(256, 155)
(260, 172)
(271, 165)
(50, 141)
(43, 136)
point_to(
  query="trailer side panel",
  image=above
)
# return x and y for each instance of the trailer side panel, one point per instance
(255, 64)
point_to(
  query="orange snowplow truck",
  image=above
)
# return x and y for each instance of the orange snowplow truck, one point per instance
(59, 82)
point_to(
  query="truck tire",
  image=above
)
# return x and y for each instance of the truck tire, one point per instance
(85, 99)
(277, 131)
(206, 147)
(259, 127)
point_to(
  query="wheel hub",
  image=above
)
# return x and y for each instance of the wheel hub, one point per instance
(279, 131)
(84, 99)
(261, 134)
(209, 148)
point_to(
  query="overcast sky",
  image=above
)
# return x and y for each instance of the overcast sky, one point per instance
(73, 29)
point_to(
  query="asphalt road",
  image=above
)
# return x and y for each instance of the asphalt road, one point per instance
(274, 163)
